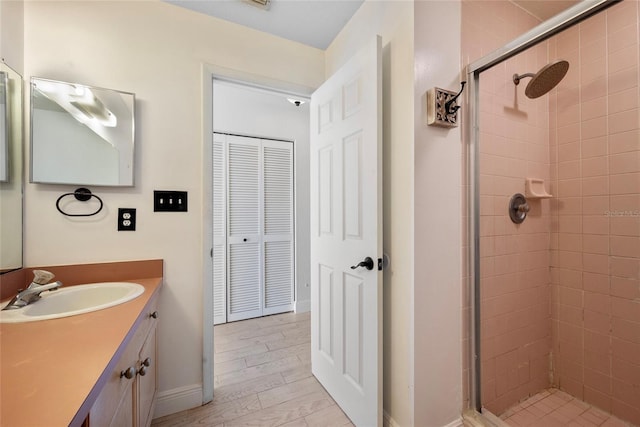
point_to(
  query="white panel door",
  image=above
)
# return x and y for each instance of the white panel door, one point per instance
(346, 228)
(219, 229)
(244, 219)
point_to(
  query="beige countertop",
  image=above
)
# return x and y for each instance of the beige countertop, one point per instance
(52, 371)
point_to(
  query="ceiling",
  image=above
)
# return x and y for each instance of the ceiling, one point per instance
(317, 22)
(312, 22)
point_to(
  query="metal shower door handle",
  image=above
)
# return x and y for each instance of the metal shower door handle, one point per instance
(367, 263)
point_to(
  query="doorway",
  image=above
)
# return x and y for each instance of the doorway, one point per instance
(350, 103)
(250, 115)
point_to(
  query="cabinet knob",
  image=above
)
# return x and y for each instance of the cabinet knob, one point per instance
(147, 362)
(154, 315)
(142, 371)
(128, 373)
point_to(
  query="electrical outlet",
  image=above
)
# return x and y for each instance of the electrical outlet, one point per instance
(169, 201)
(126, 219)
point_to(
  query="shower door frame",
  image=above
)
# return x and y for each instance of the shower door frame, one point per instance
(545, 30)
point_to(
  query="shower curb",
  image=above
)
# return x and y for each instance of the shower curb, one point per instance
(472, 418)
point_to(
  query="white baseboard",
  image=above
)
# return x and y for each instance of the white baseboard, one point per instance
(178, 399)
(302, 306)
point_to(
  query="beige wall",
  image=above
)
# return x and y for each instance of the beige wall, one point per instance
(393, 20)
(11, 34)
(436, 299)
(156, 51)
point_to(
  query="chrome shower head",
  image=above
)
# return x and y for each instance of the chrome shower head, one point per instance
(545, 79)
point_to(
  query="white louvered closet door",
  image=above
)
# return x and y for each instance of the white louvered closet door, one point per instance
(278, 226)
(219, 229)
(259, 227)
(244, 219)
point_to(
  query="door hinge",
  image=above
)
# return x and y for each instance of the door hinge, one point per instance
(211, 253)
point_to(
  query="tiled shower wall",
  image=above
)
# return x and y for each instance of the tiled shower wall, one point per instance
(595, 240)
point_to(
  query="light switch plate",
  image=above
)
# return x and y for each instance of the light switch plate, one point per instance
(169, 201)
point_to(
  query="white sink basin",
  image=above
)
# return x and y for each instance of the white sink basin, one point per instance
(73, 300)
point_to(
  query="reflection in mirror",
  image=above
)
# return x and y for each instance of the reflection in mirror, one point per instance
(81, 135)
(4, 137)
(11, 188)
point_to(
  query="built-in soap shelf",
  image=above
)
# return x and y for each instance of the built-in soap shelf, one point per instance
(534, 189)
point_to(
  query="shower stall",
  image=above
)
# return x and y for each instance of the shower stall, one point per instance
(554, 276)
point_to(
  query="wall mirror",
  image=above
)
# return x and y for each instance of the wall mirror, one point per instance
(81, 135)
(4, 129)
(11, 186)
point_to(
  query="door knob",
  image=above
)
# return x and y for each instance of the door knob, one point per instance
(128, 373)
(366, 263)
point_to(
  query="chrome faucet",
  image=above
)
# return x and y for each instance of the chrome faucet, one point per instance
(32, 293)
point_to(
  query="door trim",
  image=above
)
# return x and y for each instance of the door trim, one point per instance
(209, 72)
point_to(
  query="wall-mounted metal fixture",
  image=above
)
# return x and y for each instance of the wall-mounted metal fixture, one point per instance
(442, 108)
(262, 4)
(81, 194)
(544, 80)
(518, 208)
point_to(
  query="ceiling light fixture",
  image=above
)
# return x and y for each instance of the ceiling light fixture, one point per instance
(296, 102)
(262, 4)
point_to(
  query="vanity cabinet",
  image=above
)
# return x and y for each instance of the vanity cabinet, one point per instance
(128, 397)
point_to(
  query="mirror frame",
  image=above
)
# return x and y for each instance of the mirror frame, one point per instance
(12, 190)
(79, 182)
(6, 117)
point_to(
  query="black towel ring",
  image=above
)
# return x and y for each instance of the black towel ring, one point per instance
(81, 194)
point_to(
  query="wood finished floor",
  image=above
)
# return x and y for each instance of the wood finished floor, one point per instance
(263, 378)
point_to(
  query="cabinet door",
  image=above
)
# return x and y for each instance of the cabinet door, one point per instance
(147, 380)
(123, 416)
(110, 401)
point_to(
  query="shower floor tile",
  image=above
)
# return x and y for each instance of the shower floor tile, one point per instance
(555, 408)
